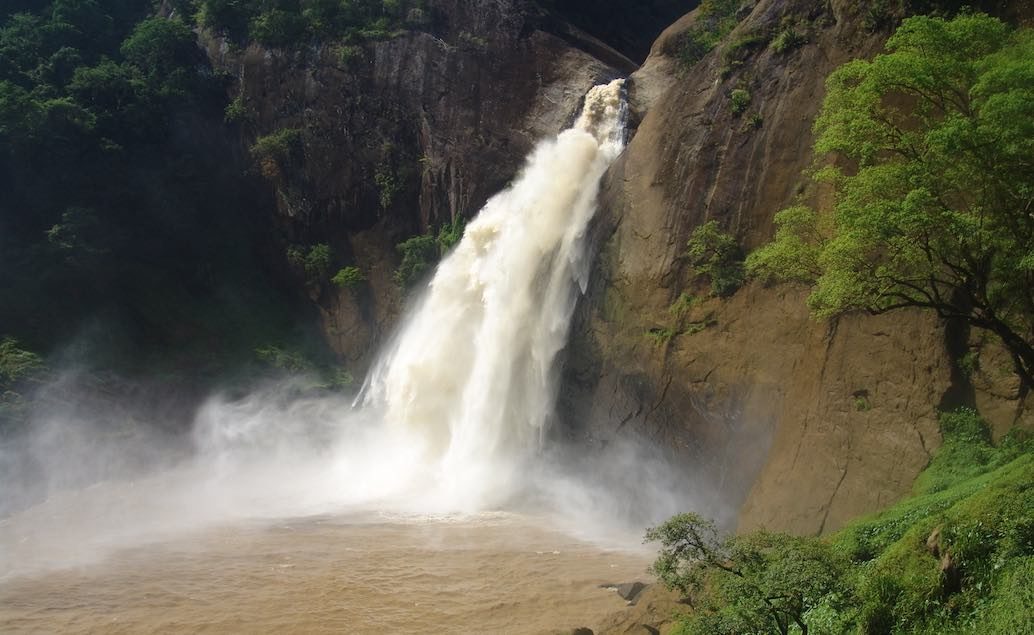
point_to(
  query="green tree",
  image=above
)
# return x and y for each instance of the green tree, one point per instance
(159, 47)
(419, 254)
(939, 211)
(349, 277)
(716, 254)
(760, 582)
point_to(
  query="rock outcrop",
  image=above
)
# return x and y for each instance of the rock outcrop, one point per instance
(402, 135)
(779, 420)
(798, 424)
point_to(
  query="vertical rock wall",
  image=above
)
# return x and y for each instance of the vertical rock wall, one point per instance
(796, 424)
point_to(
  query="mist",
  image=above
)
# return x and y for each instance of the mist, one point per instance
(451, 421)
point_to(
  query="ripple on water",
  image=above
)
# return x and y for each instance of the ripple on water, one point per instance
(498, 573)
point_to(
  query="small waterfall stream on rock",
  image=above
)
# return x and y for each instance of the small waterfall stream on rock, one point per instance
(382, 513)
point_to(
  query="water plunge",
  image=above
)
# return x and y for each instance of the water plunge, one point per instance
(471, 375)
(449, 421)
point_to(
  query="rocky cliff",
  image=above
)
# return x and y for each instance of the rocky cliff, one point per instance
(778, 419)
(799, 424)
(395, 138)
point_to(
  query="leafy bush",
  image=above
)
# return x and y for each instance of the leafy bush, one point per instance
(965, 453)
(450, 234)
(313, 262)
(788, 39)
(236, 111)
(278, 28)
(681, 306)
(739, 99)
(419, 254)
(273, 152)
(715, 19)
(279, 145)
(285, 24)
(387, 184)
(660, 335)
(715, 254)
(349, 277)
(958, 558)
(17, 364)
(20, 369)
(793, 256)
(753, 582)
(317, 261)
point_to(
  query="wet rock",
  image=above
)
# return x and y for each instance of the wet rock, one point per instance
(630, 590)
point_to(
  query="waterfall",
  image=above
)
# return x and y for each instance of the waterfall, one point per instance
(470, 376)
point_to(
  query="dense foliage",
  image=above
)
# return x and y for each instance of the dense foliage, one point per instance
(935, 210)
(20, 371)
(716, 255)
(291, 23)
(125, 221)
(421, 253)
(715, 20)
(956, 557)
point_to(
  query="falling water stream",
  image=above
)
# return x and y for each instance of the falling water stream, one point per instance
(424, 506)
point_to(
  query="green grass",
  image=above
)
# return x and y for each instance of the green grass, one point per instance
(955, 557)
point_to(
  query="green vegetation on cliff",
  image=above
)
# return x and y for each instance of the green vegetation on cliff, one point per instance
(421, 253)
(291, 23)
(715, 20)
(715, 254)
(127, 221)
(935, 208)
(958, 556)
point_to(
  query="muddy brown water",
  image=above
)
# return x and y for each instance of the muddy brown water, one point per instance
(488, 573)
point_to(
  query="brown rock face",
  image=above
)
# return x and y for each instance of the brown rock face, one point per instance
(400, 136)
(799, 425)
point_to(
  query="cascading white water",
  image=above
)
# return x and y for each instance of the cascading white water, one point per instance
(470, 377)
(449, 419)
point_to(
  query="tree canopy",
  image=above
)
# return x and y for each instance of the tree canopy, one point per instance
(122, 203)
(760, 582)
(934, 207)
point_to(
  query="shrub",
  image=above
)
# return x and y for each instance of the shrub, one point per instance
(419, 254)
(317, 261)
(273, 151)
(387, 184)
(450, 234)
(278, 29)
(750, 582)
(660, 335)
(715, 19)
(313, 261)
(349, 277)
(17, 364)
(793, 255)
(236, 111)
(716, 254)
(349, 53)
(279, 145)
(681, 306)
(787, 40)
(739, 99)
(966, 452)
